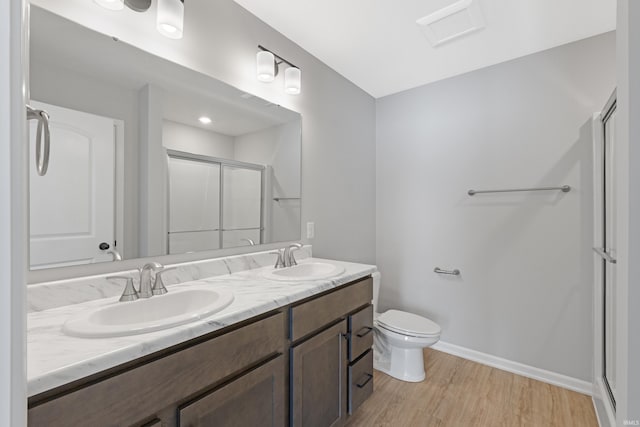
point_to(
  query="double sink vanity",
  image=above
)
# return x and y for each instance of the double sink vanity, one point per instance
(258, 346)
(228, 341)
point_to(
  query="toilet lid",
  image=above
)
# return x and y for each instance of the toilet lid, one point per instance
(408, 323)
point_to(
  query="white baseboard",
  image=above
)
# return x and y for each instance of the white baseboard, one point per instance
(549, 377)
(604, 411)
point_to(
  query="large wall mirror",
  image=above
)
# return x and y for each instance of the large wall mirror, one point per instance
(150, 158)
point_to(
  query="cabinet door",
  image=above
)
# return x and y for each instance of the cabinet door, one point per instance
(318, 382)
(254, 399)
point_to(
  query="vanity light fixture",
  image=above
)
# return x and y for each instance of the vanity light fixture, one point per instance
(292, 77)
(267, 68)
(204, 120)
(268, 64)
(169, 18)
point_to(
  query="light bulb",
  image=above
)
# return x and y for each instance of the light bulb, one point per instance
(170, 18)
(266, 66)
(292, 80)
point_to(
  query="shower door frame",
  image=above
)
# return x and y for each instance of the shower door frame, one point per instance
(601, 388)
(183, 155)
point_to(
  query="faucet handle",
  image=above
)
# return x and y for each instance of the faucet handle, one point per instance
(280, 260)
(129, 293)
(293, 247)
(159, 287)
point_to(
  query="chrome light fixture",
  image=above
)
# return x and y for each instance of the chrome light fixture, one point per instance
(268, 64)
(170, 14)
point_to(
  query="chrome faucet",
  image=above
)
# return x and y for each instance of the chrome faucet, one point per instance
(115, 254)
(280, 259)
(158, 286)
(285, 256)
(249, 241)
(289, 258)
(146, 287)
(129, 293)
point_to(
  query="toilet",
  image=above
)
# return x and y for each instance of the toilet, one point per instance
(399, 340)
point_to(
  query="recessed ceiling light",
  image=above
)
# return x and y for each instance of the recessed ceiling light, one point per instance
(204, 120)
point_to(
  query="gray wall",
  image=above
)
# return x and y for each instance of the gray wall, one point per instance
(338, 118)
(181, 137)
(279, 147)
(526, 288)
(628, 212)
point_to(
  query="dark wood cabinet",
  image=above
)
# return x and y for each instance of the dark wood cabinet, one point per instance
(360, 381)
(296, 365)
(327, 333)
(360, 332)
(254, 399)
(155, 388)
(318, 386)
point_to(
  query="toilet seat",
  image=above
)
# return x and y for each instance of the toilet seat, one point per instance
(410, 324)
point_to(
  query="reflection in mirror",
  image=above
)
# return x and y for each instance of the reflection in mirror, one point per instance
(134, 172)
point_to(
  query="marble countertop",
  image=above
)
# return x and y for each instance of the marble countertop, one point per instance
(55, 359)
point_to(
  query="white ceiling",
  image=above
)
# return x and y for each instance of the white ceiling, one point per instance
(377, 45)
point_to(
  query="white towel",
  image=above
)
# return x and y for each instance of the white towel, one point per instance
(376, 289)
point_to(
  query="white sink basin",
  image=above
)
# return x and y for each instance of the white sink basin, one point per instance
(146, 315)
(305, 271)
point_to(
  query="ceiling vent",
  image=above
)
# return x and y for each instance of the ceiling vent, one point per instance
(452, 22)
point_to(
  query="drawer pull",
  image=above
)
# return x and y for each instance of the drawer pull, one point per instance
(364, 331)
(364, 383)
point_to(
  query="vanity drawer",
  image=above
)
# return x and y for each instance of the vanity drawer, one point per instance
(360, 332)
(144, 390)
(360, 381)
(317, 313)
(254, 399)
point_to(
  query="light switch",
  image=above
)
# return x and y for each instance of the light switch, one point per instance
(311, 230)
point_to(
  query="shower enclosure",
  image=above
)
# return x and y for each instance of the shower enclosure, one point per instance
(213, 203)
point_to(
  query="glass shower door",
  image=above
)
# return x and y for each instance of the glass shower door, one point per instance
(242, 206)
(194, 205)
(609, 254)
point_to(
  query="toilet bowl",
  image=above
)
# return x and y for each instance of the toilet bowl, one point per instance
(399, 340)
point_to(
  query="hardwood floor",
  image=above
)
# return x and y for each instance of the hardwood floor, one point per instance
(458, 392)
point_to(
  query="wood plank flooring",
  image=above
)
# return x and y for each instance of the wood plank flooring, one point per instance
(458, 392)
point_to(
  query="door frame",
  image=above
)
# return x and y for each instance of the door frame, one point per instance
(183, 155)
(600, 389)
(121, 245)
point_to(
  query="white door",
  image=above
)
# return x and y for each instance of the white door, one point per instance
(73, 206)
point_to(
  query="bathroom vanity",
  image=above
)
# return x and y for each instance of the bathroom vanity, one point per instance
(304, 362)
